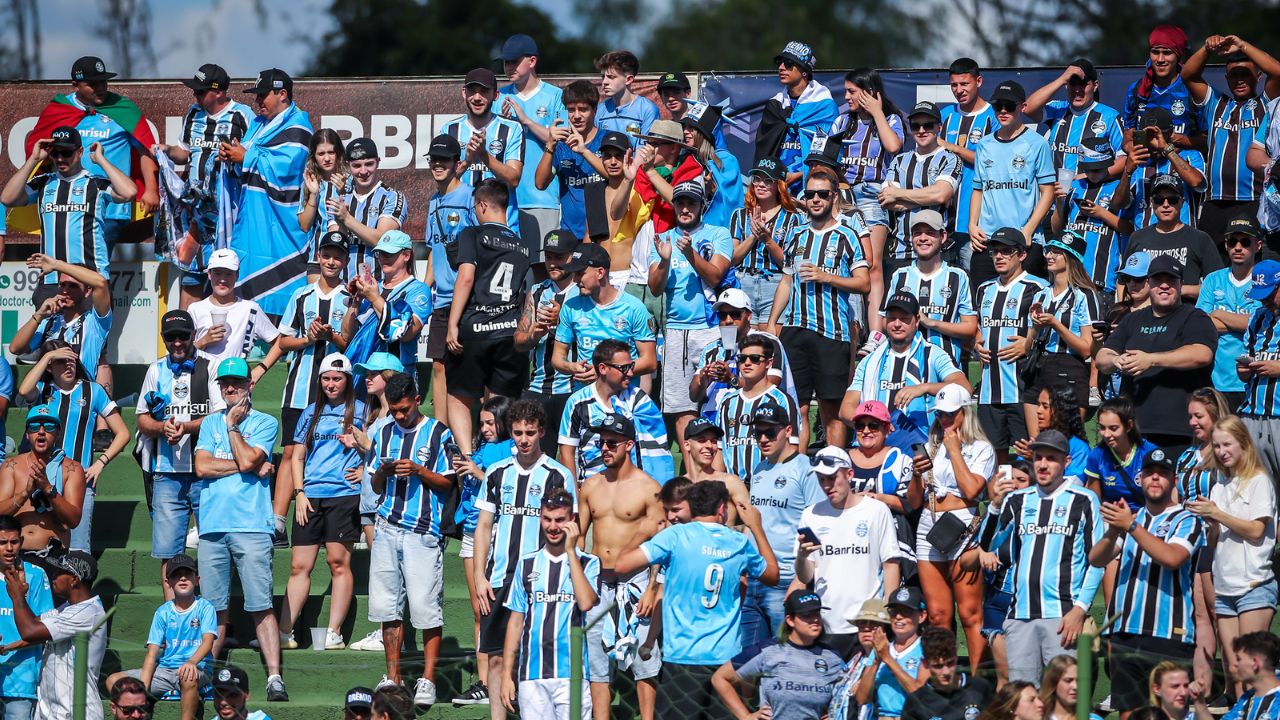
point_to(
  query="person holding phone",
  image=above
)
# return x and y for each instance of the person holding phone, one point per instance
(535, 332)
(1259, 366)
(1086, 208)
(1224, 295)
(1153, 153)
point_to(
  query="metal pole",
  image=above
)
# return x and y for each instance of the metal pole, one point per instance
(1084, 677)
(575, 673)
(79, 687)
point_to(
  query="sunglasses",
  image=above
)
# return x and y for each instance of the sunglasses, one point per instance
(923, 126)
(753, 358)
(819, 194)
(61, 154)
(45, 425)
(1240, 75)
(1134, 280)
(131, 709)
(766, 431)
(176, 336)
(614, 443)
(788, 65)
(1004, 106)
(624, 368)
(946, 414)
(867, 425)
(1004, 250)
(731, 314)
(1238, 242)
(1166, 200)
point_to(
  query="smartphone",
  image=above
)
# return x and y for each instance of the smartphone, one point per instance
(1036, 308)
(809, 536)
(1245, 360)
(559, 297)
(1140, 137)
(919, 450)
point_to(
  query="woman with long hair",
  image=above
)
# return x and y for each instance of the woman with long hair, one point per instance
(325, 177)
(326, 502)
(1056, 409)
(1240, 514)
(760, 229)
(1017, 700)
(872, 130)
(1059, 688)
(1133, 293)
(1063, 315)
(950, 478)
(721, 172)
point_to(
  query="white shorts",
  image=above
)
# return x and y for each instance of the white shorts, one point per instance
(680, 355)
(467, 548)
(926, 552)
(549, 699)
(406, 564)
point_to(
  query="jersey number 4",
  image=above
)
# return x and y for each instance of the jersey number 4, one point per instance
(500, 285)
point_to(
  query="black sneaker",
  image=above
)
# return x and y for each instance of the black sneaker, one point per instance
(279, 539)
(1221, 704)
(477, 694)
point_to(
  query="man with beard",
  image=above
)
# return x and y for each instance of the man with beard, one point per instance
(492, 146)
(535, 334)
(42, 487)
(948, 693)
(622, 503)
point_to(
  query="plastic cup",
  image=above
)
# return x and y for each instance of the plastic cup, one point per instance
(1066, 176)
(219, 317)
(729, 338)
(319, 638)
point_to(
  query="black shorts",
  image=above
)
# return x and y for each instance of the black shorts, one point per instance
(437, 334)
(685, 693)
(493, 627)
(554, 407)
(332, 520)
(1133, 657)
(1004, 424)
(289, 425)
(487, 363)
(1059, 371)
(819, 365)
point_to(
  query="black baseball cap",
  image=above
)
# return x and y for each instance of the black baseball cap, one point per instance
(359, 698)
(1012, 237)
(209, 77)
(560, 241)
(907, 597)
(1165, 265)
(335, 238)
(1052, 440)
(362, 148)
(1011, 91)
(826, 151)
(904, 301)
(1244, 224)
(616, 140)
(927, 109)
(483, 77)
(802, 602)
(1158, 459)
(770, 413)
(232, 678)
(588, 255)
(180, 562)
(444, 146)
(271, 80)
(65, 138)
(1156, 117)
(76, 563)
(699, 425)
(1090, 72)
(517, 47)
(90, 69)
(674, 81)
(769, 167)
(1164, 181)
(177, 321)
(617, 424)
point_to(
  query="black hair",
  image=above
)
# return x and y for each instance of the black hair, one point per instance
(9, 522)
(348, 412)
(399, 387)
(706, 497)
(557, 498)
(1023, 465)
(868, 80)
(605, 351)
(1122, 407)
(937, 643)
(130, 686)
(1149, 712)
(965, 66)
(760, 341)
(394, 702)
(675, 490)
(526, 410)
(1065, 412)
(580, 91)
(493, 191)
(1262, 643)
(500, 406)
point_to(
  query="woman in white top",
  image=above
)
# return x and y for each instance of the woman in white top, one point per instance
(1240, 515)
(951, 473)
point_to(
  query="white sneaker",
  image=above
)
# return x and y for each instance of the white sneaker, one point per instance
(369, 643)
(385, 683)
(193, 538)
(876, 339)
(424, 694)
(286, 642)
(333, 640)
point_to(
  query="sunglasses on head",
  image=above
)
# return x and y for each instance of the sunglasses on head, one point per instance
(1166, 200)
(753, 358)
(1006, 106)
(820, 194)
(45, 425)
(923, 126)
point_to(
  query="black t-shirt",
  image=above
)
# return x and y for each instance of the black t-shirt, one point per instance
(1193, 248)
(1160, 395)
(502, 261)
(962, 703)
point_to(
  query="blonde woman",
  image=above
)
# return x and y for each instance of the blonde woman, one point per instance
(949, 479)
(1059, 687)
(1241, 513)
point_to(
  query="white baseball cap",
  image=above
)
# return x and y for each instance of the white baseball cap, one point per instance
(952, 397)
(334, 361)
(224, 258)
(733, 298)
(831, 460)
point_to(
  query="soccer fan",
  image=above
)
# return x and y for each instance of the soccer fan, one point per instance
(687, 265)
(535, 332)
(178, 391)
(1087, 208)
(600, 311)
(898, 658)
(783, 484)
(675, 90)
(947, 317)
(1232, 123)
(73, 232)
(926, 178)
(1113, 469)
(449, 212)
(1063, 315)
(130, 699)
(1259, 655)
(487, 294)
(847, 549)
(228, 324)
(964, 125)
(702, 603)
(623, 110)
(737, 406)
(904, 374)
(760, 229)
(718, 362)
(45, 495)
(1171, 690)
(703, 460)
(571, 157)
(231, 695)
(1012, 183)
(508, 530)
(211, 119)
(358, 704)
(1154, 153)
(79, 314)
(667, 161)
(814, 299)
(1164, 352)
(1224, 297)
(628, 217)
(113, 122)
(388, 315)
(1072, 123)
(723, 176)
(1259, 367)
(325, 177)
(411, 472)
(537, 106)
(792, 118)
(233, 458)
(1050, 529)
(268, 170)
(997, 574)
(1170, 236)
(552, 592)
(612, 392)
(493, 146)
(948, 693)
(368, 209)
(1161, 88)
(21, 673)
(1154, 583)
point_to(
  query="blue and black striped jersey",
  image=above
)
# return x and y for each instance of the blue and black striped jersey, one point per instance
(543, 592)
(1004, 311)
(1232, 126)
(1151, 599)
(733, 416)
(943, 296)
(305, 306)
(758, 262)
(819, 307)
(408, 502)
(913, 171)
(544, 378)
(73, 215)
(1262, 342)
(1066, 130)
(513, 494)
(368, 209)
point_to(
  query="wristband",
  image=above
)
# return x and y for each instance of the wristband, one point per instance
(1133, 525)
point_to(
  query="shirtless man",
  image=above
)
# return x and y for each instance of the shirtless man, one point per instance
(703, 461)
(622, 503)
(47, 501)
(625, 209)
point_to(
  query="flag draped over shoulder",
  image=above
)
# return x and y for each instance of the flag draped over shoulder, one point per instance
(259, 202)
(62, 111)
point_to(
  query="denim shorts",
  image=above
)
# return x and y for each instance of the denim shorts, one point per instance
(80, 534)
(995, 608)
(1262, 596)
(175, 497)
(252, 554)
(760, 289)
(406, 564)
(866, 195)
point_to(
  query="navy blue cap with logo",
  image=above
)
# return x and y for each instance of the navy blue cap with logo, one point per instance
(65, 138)
(769, 167)
(615, 423)
(362, 148)
(797, 53)
(770, 413)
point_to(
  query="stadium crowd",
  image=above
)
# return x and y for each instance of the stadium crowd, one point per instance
(875, 352)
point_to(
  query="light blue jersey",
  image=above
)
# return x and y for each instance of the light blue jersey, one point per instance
(448, 215)
(702, 603)
(1220, 290)
(179, 632)
(1009, 173)
(583, 324)
(20, 669)
(890, 697)
(543, 106)
(886, 371)
(239, 502)
(631, 119)
(86, 333)
(781, 492)
(966, 130)
(505, 142)
(327, 459)
(689, 297)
